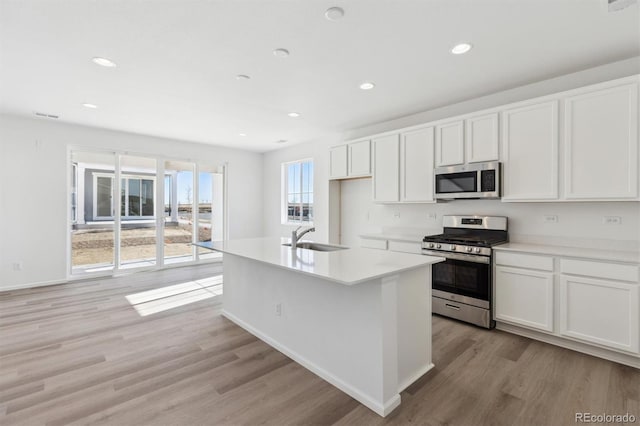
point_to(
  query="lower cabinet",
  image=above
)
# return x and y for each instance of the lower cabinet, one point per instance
(600, 311)
(579, 299)
(524, 297)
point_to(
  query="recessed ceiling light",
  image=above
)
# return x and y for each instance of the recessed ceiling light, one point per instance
(367, 86)
(90, 106)
(281, 53)
(334, 13)
(281, 141)
(242, 77)
(242, 134)
(104, 62)
(294, 114)
(461, 48)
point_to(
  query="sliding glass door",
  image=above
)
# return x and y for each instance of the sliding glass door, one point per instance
(137, 212)
(92, 211)
(131, 211)
(179, 220)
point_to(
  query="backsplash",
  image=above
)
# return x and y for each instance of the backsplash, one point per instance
(579, 224)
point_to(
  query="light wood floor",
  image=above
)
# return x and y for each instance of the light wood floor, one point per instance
(81, 354)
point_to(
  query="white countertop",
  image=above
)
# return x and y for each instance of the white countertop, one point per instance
(349, 266)
(587, 253)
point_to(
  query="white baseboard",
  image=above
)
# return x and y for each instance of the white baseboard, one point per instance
(381, 409)
(32, 285)
(630, 360)
(424, 370)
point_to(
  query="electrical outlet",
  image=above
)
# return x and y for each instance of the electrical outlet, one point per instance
(432, 216)
(611, 220)
(550, 218)
(278, 309)
(17, 266)
(396, 215)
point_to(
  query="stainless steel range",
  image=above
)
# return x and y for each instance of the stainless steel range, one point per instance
(462, 285)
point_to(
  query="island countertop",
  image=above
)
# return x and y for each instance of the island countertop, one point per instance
(349, 266)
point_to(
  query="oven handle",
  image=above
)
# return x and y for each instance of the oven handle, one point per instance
(459, 256)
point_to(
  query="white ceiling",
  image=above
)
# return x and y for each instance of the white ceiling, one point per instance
(177, 60)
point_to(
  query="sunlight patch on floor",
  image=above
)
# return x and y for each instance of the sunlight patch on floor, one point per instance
(165, 298)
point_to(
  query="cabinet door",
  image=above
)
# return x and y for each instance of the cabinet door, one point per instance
(338, 162)
(360, 158)
(386, 169)
(530, 149)
(482, 138)
(416, 166)
(600, 311)
(524, 297)
(450, 144)
(601, 144)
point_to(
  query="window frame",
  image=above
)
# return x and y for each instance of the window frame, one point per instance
(126, 178)
(284, 202)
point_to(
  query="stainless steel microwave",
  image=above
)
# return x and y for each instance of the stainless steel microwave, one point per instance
(480, 180)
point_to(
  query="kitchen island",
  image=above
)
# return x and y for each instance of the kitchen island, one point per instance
(359, 318)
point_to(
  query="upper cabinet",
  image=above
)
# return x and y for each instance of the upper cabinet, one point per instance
(350, 160)
(386, 169)
(450, 143)
(416, 166)
(530, 152)
(338, 162)
(472, 140)
(601, 144)
(482, 138)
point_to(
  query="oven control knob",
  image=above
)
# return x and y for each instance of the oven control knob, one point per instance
(477, 250)
(438, 246)
(469, 249)
(453, 247)
(431, 245)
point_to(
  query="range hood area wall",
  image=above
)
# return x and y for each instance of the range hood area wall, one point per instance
(557, 222)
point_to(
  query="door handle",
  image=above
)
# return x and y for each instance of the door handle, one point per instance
(457, 308)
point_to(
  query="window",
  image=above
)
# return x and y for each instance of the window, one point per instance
(297, 184)
(136, 193)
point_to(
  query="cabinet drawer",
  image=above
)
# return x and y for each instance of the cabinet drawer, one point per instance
(611, 271)
(529, 261)
(373, 243)
(405, 247)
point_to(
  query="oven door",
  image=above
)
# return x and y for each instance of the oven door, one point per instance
(462, 277)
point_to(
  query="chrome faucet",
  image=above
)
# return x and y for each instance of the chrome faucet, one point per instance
(295, 237)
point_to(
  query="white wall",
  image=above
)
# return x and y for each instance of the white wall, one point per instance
(33, 192)
(359, 215)
(271, 184)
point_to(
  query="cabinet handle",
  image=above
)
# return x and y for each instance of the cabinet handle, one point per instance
(457, 308)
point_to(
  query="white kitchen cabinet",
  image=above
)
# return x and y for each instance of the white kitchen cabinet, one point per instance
(386, 169)
(601, 144)
(416, 166)
(600, 311)
(481, 138)
(450, 143)
(350, 160)
(530, 152)
(360, 158)
(338, 162)
(524, 297)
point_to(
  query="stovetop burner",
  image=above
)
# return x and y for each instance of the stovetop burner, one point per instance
(470, 240)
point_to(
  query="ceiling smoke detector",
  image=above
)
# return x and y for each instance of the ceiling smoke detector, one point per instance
(334, 13)
(281, 53)
(615, 5)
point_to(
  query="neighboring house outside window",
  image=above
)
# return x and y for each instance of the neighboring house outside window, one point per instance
(297, 191)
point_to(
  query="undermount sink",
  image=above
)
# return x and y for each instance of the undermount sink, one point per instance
(316, 246)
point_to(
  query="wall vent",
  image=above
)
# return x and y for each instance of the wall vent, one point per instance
(615, 5)
(43, 115)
